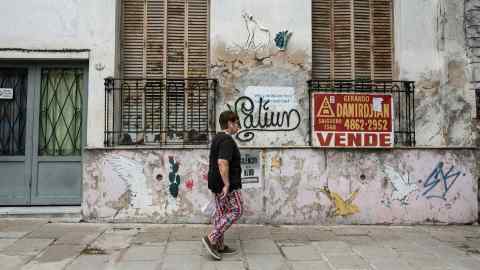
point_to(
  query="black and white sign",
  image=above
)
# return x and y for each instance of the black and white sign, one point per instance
(251, 173)
(6, 93)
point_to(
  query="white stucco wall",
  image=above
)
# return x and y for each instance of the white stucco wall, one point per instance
(43, 26)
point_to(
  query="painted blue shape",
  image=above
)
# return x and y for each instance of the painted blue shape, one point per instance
(438, 176)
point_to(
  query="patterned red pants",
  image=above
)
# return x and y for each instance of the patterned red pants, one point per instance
(228, 211)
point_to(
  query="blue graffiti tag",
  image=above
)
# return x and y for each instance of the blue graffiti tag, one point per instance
(438, 176)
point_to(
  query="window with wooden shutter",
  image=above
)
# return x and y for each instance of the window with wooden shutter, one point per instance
(163, 39)
(352, 39)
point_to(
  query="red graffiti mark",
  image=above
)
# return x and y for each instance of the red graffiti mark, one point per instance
(189, 184)
(205, 177)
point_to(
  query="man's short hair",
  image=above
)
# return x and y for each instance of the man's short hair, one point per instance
(227, 116)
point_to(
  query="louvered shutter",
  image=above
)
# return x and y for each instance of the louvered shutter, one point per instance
(133, 38)
(132, 65)
(175, 65)
(358, 37)
(383, 39)
(164, 39)
(197, 61)
(322, 39)
(155, 21)
(197, 41)
(342, 34)
(363, 40)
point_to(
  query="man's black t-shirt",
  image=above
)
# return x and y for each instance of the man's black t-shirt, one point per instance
(224, 147)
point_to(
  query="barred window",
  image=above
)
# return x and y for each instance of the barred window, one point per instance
(352, 39)
(163, 93)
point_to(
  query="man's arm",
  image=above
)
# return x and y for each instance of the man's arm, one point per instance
(224, 167)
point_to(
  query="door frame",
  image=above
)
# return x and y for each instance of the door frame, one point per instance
(34, 68)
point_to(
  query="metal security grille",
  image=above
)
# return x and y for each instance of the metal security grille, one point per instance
(13, 112)
(159, 111)
(61, 112)
(403, 94)
(352, 39)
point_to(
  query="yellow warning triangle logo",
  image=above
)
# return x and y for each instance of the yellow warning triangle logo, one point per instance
(325, 109)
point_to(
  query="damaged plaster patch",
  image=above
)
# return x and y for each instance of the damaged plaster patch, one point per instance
(131, 172)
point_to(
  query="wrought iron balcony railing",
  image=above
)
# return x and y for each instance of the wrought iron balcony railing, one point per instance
(403, 94)
(141, 111)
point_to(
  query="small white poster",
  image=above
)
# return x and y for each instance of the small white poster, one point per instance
(278, 97)
(6, 93)
(251, 172)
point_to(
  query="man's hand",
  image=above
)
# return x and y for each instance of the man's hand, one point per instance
(224, 191)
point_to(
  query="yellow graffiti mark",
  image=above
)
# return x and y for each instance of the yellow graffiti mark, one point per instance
(276, 163)
(342, 207)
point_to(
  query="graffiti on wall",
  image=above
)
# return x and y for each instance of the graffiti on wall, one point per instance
(439, 182)
(281, 39)
(343, 207)
(257, 116)
(131, 172)
(402, 187)
(173, 176)
(254, 28)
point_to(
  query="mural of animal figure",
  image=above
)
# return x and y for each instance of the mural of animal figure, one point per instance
(252, 26)
(342, 207)
(402, 188)
(131, 172)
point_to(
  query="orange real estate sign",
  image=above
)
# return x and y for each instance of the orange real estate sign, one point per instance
(352, 120)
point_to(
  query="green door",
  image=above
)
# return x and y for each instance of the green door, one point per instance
(15, 149)
(55, 133)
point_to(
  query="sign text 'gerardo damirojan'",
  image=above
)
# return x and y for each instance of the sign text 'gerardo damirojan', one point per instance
(352, 120)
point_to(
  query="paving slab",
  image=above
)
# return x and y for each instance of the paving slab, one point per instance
(333, 247)
(264, 246)
(266, 262)
(4, 243)
(254, 232)
(184, 248)
(150, 238)
(13, 234)
(78, 238)
(222, 265)
(301, 252)
(11, 262)
(391, 264)
(310, 265)
(189, 233)
(376, 253)
(137, 265)
(347, 261)
(144, 253)
(28, 246)
(184, 262)
(90, 262)
(111, 241)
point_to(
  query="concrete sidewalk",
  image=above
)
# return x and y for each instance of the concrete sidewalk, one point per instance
(40, 244)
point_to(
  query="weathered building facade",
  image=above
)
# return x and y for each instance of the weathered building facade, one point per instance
(172, 65)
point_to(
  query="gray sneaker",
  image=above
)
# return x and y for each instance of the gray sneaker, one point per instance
(211, 249)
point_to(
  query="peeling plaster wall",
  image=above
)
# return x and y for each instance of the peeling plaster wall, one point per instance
(299, 186)
(244, 55)
(43, 29)
(429, 45)
(430, 49)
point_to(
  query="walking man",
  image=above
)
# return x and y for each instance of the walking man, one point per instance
(224, 181)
